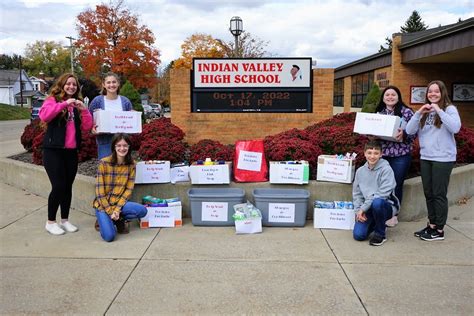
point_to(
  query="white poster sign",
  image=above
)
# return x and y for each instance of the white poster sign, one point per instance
(160, 216)
(214, 211)
(281, 212)
(152, 173)
(336, 169)
(118, 121)
(249, 160)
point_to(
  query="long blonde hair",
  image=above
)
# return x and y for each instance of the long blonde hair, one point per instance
(443, 102)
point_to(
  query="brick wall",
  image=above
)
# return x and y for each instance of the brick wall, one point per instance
(229, 127)
(406, 75)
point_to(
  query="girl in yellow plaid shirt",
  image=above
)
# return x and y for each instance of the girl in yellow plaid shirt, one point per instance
(114, 186)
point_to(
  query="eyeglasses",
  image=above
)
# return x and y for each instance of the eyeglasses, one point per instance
(122, 146)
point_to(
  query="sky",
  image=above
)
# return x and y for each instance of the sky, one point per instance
(332, 32)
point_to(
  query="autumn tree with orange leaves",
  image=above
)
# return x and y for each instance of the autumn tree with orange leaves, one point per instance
(111, 39)
(198, 45)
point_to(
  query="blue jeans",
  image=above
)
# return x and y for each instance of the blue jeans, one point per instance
(130, 210)
(400, 166)
(379, 212)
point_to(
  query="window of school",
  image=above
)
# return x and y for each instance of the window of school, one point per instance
(338, 98)
(361, 85)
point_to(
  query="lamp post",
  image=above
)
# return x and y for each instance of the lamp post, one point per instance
(71, 48)
(236, 28)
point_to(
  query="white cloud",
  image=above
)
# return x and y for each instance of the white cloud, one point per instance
(333, 32)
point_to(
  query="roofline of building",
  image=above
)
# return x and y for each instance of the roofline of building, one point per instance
(359, 61)
(459, 26)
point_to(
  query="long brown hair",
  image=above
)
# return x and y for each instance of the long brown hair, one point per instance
(110, 74)
(443, 102)
(128, 160)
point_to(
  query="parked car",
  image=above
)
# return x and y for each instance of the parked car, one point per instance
(35, 107)
(153, 110)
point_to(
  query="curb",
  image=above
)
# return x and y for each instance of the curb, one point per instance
(33, 179)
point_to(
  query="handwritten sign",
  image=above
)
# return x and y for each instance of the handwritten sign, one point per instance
(152, 173)
(334, 218)
(214, 211)
(249, 160)
(118, 121)
(335, 170)
(289, 173)
(214, 174)
(281, 212)
(179, 174)
(160, 217)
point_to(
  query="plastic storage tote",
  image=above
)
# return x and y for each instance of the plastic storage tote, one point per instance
(282, 207)
(214, 207)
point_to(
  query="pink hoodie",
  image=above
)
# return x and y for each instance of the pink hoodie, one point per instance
(50, 109)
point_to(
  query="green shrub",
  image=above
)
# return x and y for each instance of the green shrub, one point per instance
(372, 99)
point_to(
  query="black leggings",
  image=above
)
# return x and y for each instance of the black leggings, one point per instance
(61, 167)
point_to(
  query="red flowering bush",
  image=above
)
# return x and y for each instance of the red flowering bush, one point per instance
(208, 148)
(30, 132)
(162, 127)
(162, 148)
(465, 145)
(332, 140)
(341, 119)
(37, 148)
(88, 147)
(282, 149)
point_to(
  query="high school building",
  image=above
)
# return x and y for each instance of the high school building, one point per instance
(443, 53)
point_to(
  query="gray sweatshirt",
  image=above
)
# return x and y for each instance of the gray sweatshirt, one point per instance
(437, 144)
(370, 184)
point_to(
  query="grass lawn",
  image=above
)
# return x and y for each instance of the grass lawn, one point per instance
(10, 112)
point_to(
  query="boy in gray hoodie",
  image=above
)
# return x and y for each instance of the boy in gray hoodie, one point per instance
(373, 194)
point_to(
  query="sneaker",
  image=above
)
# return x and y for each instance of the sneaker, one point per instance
(422, 231)
(377, 240)
(122, 226)
(54, 229)
(432, 234)
(70, 228)
(392, 222)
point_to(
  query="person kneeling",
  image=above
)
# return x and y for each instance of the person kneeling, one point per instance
(373, 195)
(115, 182)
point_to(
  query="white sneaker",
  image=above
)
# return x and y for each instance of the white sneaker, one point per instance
(54, 229)
(392, 222)
(70, 228)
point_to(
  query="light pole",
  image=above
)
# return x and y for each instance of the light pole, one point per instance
(71, 47)
(236, 28)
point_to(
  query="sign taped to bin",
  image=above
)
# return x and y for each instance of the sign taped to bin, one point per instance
(152, 173)
(215, 211)
(281, 212)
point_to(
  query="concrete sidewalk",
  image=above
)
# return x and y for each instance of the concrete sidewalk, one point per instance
(210, 270)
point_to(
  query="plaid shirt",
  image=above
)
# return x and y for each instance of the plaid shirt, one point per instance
(114, 185)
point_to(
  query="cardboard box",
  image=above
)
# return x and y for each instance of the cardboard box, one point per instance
(169, 216)
(335, 170)
(152, 173)
(384, 126)
(210, 174)
(334, 218)
(287, 172)
(129, 122)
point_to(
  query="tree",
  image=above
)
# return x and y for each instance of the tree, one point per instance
(413, 24)
(48, 57)
(111, 39)
(9, 62)
(160, 93)
(249, 47)
(198, 45)
(129, 91)
(372, 99)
